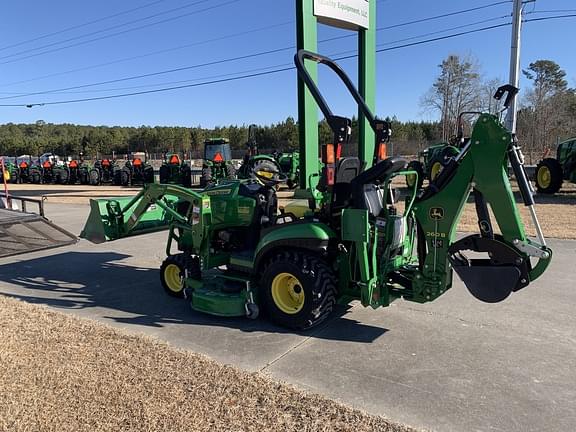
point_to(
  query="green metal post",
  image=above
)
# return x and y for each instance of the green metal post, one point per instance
(307, 35)
(367, 85)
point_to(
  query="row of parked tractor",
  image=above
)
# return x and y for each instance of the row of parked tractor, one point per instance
(550, 173)
(49, 169)
(217, 164)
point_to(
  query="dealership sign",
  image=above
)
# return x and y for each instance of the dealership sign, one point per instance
(349, 14)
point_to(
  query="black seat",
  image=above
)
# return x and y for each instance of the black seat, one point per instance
(365, 196)
(347, 169)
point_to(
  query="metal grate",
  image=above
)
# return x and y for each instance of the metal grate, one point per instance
(26, 232)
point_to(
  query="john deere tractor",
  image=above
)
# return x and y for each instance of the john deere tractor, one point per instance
(10, 172)
(289, 163)
(175, 170)
(254, 162)
(135, 172)
(430, 162)
(217, 164)
(104, 171)
(552, 172)
(351, 240)
(24, 171)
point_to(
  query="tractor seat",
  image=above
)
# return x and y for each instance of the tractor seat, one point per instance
(266, 202)
(365, 191)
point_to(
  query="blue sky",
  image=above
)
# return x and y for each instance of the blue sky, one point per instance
(404, 75)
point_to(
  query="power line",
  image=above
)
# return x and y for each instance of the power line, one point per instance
(63, 91)
(120, 32)
(550, 18)
(449, 14)
(206, 41)
(205, 83)
(184, 68)
(166, 89)
(82, 25)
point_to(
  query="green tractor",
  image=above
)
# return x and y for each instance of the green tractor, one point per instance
(551, 172)
(237, 256)
(289, 163)
(104, 171)
(11, 172)
(254, 163)
(430, 162)
(24, 170)
(175, 170)
(217, 164)
(135, 172)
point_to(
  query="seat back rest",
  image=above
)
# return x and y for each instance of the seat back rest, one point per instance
(373, 175)
(348, 168)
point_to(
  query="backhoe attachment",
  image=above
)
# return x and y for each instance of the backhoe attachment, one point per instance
(501, 262)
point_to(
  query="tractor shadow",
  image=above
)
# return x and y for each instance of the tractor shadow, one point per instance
(129, 295)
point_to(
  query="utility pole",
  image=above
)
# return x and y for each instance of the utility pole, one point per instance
(512, 114)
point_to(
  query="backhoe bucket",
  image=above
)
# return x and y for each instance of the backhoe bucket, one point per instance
(114, 218)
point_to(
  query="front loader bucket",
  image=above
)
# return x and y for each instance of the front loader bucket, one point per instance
(114, 218)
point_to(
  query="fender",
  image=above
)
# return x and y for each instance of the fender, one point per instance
(313, 236)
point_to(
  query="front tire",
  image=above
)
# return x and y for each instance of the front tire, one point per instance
(173, 273)
(298, 289)
(549, 176)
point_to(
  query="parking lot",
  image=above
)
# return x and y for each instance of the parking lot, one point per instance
(455, 364)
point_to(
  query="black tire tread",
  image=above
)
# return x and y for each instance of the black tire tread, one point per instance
(324, 289)
(555, 171)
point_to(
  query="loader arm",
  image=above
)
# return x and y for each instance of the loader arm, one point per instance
(154, 209)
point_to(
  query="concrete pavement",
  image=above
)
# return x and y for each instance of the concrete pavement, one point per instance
(452, 365)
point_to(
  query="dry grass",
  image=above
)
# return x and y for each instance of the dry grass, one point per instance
(61, 373)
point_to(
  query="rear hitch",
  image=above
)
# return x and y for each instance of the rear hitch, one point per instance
(491, 279)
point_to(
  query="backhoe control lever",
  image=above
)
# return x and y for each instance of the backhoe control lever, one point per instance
(512, 92)
(491, 279)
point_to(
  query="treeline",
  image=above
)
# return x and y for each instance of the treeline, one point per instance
(92, 141)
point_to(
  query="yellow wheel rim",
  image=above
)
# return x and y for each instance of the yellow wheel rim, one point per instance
(287, 293)
(173, 278)
(544, 177)
(436, 168)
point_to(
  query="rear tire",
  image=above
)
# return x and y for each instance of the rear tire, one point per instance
(35, 177)
(298, 289)
(186, 175)
(148, 175)
(206, 177)
(173, 271)
(94, 177)
(164, 174)
(230, 171)
(549, 176)
(125, 177)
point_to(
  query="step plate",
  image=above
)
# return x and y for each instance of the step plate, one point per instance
(26, 232)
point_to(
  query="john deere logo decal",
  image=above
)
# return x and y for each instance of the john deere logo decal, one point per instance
(436, 213)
